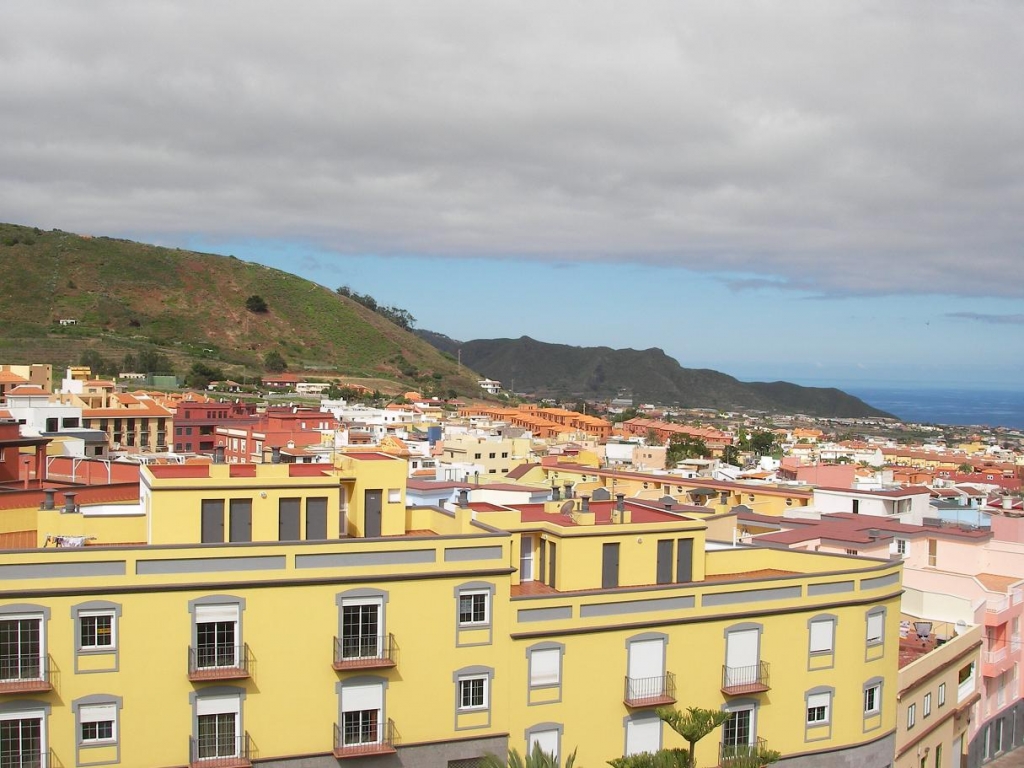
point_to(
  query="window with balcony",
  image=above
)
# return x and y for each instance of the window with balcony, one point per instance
(218, 737)
(24, 663)
(739, 733)
(218, 652)
(648, 683)
(744, 671)
(965, 683)
(23, 735)
(362, 640)
(362, 728)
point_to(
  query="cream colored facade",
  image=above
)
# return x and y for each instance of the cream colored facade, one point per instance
(292, 615)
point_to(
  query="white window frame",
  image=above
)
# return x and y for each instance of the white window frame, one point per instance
(89, 615)
(97, 713)
(902, 547)
(926, 705)
(535, 737)
(380, 639)
(32, 714)
(216, 706)
(41, 659)
(526, 546)
(475, 595)
(467, 685)
(361, 696)
(815, 702)
(942, 694)
(911, 716)
(874, 692)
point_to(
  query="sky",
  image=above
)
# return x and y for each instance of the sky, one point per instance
(827, 193)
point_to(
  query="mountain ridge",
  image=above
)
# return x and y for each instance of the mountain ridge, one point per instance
(649, 375)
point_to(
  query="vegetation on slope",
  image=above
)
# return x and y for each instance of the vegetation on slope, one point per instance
(129, 297)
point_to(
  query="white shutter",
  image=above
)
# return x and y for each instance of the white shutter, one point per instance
(820, 700)
(356, 698)
(546, 740)
(821, 636)
(646, 659)
(97, 713)
(218, 705)
(208, 614)
(544, 666)
(643, 735)
(875, 627)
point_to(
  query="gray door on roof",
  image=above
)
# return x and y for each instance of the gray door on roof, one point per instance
(374, 507)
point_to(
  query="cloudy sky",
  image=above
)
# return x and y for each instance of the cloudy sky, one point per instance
(823, 192)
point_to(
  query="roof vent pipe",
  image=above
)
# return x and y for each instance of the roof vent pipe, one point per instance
(585, 505)
(48, 497)
(464, 498)
(620, 501)
(69, 502)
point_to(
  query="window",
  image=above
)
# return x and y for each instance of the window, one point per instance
(822, 635)
(504, 454)
(22, 738)
(474, 608)
(545, 667)
(851, 551)
(643, 733)
(217, 635)
(218, 727)
(96, 630)
(926, 708)
(942, 694)
(362, 711)
(546, 737)
(875, 627)
(362, 626)
(911, 716)
(873, 699)
(901, 546)
(818, 706)
(476, 455)
(738, 730)
(965, 683)
(526, 545)
(97, 722)
(491, 455)
(473, 692)
(22, 647)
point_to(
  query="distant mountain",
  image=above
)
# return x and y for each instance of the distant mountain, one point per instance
(128, 298)
(649, 375)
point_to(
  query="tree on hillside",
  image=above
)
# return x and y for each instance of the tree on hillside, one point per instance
(274, 362)
(731, 455)
(200, 375)
(256, 303)
(763, 443)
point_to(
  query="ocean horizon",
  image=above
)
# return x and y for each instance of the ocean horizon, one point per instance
(958, 406)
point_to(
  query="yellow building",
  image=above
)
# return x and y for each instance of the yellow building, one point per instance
(497, 456)
(300, 615)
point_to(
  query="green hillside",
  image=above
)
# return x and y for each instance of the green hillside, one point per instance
(649, 375)
(129, 297)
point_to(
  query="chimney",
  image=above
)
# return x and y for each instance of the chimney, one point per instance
(620, 501)
(48, 497)
(873, 533)
(585, 505)
(1007, 502)
(275, 455)
(464, 498)
(568, 489)
(555, 492)
(668, 506)
(69, 502)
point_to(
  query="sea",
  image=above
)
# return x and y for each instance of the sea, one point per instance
(923, 405)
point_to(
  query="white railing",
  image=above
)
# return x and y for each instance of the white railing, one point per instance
(994, 657)
(965, 689)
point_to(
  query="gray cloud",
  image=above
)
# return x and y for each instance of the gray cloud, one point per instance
(839, 148)
(993, 319)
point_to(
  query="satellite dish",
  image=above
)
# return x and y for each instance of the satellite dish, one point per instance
(568, 507)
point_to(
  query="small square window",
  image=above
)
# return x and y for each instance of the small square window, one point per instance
(901, 546)
(817, 709)
(474, 608)
(97, 723)
(96, 631)
(473, 692)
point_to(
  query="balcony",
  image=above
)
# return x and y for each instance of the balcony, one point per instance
(365, 652)
(650, 691)
(219, 751)
(366, 742)
(219, 662)
(752, 679)
(20, 675)
(743, 755)
(1000, 610)
(996, 661)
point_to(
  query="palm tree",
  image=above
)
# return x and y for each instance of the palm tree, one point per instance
(536, 759)
(693, 724)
